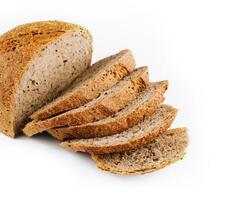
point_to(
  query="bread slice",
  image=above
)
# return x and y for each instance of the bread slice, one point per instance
(164, 150)
(132, 138)
(105, 105)
(141, 108)
(38, 61)
(101, 76)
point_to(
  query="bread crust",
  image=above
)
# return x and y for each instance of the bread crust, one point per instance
(136, 143)
(18, 47)
(117, 125)
(103, 81)
(103, 166)
(107, 106)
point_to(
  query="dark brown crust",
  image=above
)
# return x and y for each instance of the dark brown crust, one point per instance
(17, 48)
(125, 146)
(103, 166)
(103, 81)
(118, 125)
(99, 110)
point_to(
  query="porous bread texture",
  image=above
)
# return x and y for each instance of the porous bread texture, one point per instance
(139, 109)
(109, 102)
(164, 150)
(134, 137)
(37, 61)
(101, 76)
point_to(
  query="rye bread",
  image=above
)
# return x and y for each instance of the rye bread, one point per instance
(38, 61)
(109, 102)
(101, 76)
(139, 109)
(134, 137)
(164, 150)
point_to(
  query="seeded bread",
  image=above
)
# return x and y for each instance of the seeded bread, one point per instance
(38, 61)
(164, 150)
(99, 77)
(134, 137)
(109, 102)
(141, 108)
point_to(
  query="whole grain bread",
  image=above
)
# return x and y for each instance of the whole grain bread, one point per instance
(38, 61)
(139, 109)
(101, 76)
(109, 102)
(164, 150)
(134, 137)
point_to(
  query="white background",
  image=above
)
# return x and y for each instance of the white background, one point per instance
(185, 42)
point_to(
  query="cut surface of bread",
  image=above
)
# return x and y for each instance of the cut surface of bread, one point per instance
(164, 150)
(139, 109)
(101, 76)
(132, 138)
(38, 61)
(109, 102)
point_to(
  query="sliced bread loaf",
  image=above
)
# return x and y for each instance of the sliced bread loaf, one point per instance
(164, 150)
(105, 105)
(38, 61)
(139, 109)
(132, 138)
(99, 77)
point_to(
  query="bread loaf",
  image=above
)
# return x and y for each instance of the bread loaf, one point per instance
(38, 61)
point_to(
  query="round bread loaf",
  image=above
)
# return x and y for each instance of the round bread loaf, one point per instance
(37, 62)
